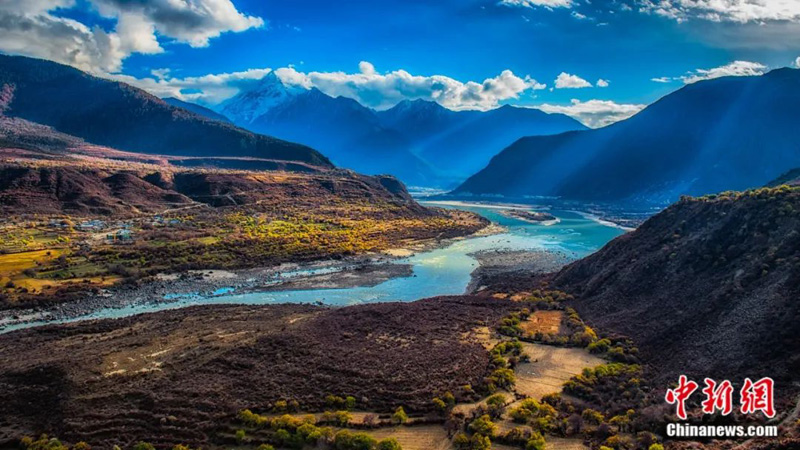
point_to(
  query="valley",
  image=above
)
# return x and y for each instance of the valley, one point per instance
(250, 271)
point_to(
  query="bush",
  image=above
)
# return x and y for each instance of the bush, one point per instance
(483, 425)
(536, 442)
(389, 444)
(399, 416)
(346, 440)
(461, 441)
(148, 446)
(496, 403)
(240, 437)
(480, 442)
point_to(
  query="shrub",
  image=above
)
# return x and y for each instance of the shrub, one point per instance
(345, 440)
(483, 425)
(439, 404)
(399, 416)
(461, 441)
(592, 417)
(502, 377)
(480, 442)
(148, 446)
(389, 444)
(536, 442)
(496, 403)
(265, 447)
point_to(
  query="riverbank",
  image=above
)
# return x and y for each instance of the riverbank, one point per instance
(626, 220)
(511, 264)
(184, 287)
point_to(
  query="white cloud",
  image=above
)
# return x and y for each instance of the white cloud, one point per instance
(208, 89)
(797, 62)
(602, 83)
(549, 4)
(662, 79)
(734, 69)
(594, 113)
(567, 81)
(368, 87)
(740, 11)
(30, 28)
(381, 91)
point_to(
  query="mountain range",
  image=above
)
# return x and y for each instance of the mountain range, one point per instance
(419, 141)
(118, 115)
(729, 133)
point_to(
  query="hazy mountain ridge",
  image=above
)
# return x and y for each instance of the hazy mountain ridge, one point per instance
(729, 133)
(420, 141)
(459, 143)
(197, 109)
(118, 115)
(351, 135)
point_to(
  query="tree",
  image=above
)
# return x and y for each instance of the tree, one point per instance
(483, 425)
(141, 445)
(461, 441)
(399, 416)
(439, 404)
(656, 447)
(536, 442)
(592, 417)
(265, 447)
(81, 446)
(389, 444)
(496, 403)
(480, 442)
(240, 437)
(450, 399)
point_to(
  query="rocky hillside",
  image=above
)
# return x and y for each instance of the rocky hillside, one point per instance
(85, 189)
(708, 287)
(118, 115)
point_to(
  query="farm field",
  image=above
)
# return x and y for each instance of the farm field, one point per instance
(550, 367)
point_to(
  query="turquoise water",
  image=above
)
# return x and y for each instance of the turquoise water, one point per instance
(444, 271)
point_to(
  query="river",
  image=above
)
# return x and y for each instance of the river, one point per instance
(443, 271)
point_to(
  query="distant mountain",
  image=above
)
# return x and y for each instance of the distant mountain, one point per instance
(197, 109)
(350, 134)
(459, 143)
(708, 288)
(421, 142)
(118, 115)
(728, 133)
(791, 177)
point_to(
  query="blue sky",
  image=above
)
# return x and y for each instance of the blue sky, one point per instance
(512, 51)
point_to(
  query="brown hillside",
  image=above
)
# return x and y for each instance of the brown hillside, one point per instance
(708, 287)
(180, 376)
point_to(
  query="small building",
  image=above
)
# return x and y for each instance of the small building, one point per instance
(120, 237)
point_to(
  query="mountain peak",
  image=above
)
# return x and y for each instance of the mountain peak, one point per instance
(418, 105)
(256, 100)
